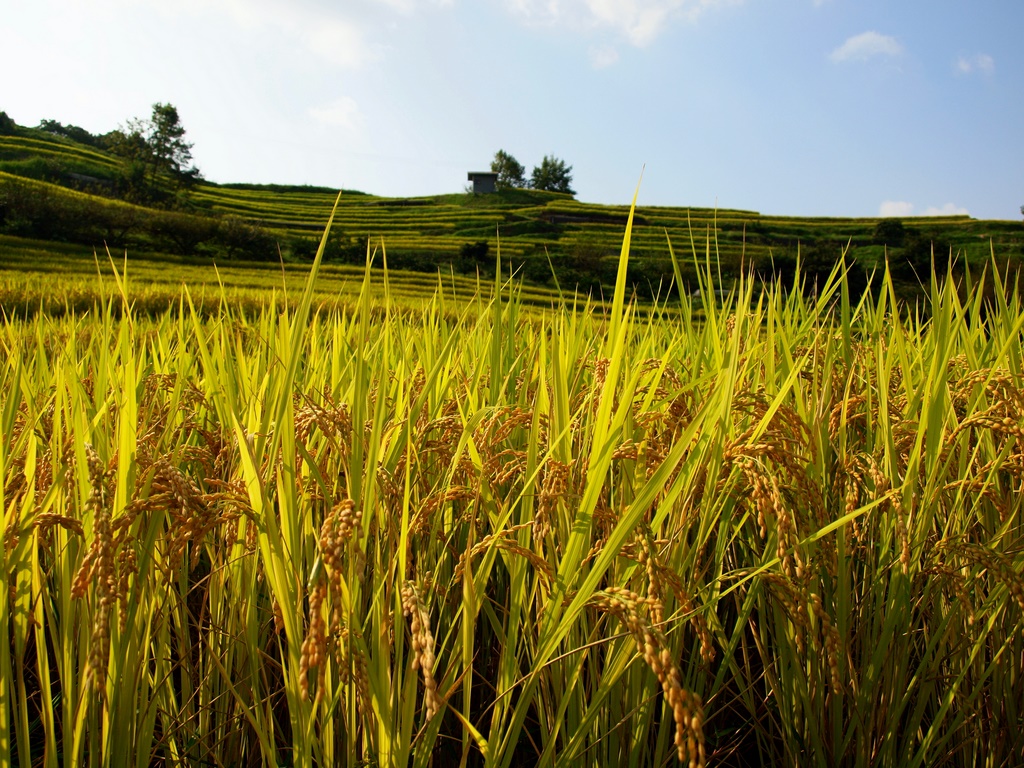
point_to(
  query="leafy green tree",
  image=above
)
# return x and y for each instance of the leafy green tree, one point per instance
(184, 232)
(155, 149)
(511, 173)
(128, 142)
(135, 183)
(166, 139)
(7, 125)
(73, 132)
(244, 239)
(890, 232)
(552, 175)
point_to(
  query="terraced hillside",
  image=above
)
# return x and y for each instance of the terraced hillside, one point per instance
(529, 223)
(549, 237)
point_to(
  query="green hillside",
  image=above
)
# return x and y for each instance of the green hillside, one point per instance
(57, 190)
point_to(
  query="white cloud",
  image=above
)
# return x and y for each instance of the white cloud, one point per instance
(341, 113)
(408, 6)
(980, 62)
(866, 45)
(338, 36)
(339, 42)
(639, 21)
(895, 209)
(901, 209)
(949, 209)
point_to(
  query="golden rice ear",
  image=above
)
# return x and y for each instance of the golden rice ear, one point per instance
(422, 646)
(314, 645)
(651, 643)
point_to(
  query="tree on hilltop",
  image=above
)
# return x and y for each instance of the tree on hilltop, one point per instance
(7, 125)
(167, 141)
(155, 147)
(552, 175)
(511, 173)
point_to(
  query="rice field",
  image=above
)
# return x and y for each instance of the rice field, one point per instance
(57, 280)
(782, 529)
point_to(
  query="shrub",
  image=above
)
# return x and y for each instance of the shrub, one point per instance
(245, 240)
(34, 210)
(475, 256)
(183, 233)
(890, 232)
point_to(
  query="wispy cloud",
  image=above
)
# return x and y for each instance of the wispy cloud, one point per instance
(867, 45)
(602, 56)
(408, 6)
(639, 21)
(335, 37)
(341, 113)
(980, 62)
(901, 209)
(341, 34)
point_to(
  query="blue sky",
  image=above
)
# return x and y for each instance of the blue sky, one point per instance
(787, 107)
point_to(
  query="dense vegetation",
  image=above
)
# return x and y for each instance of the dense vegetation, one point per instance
(783, 531)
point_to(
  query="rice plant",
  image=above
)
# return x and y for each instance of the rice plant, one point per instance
(781, 529)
